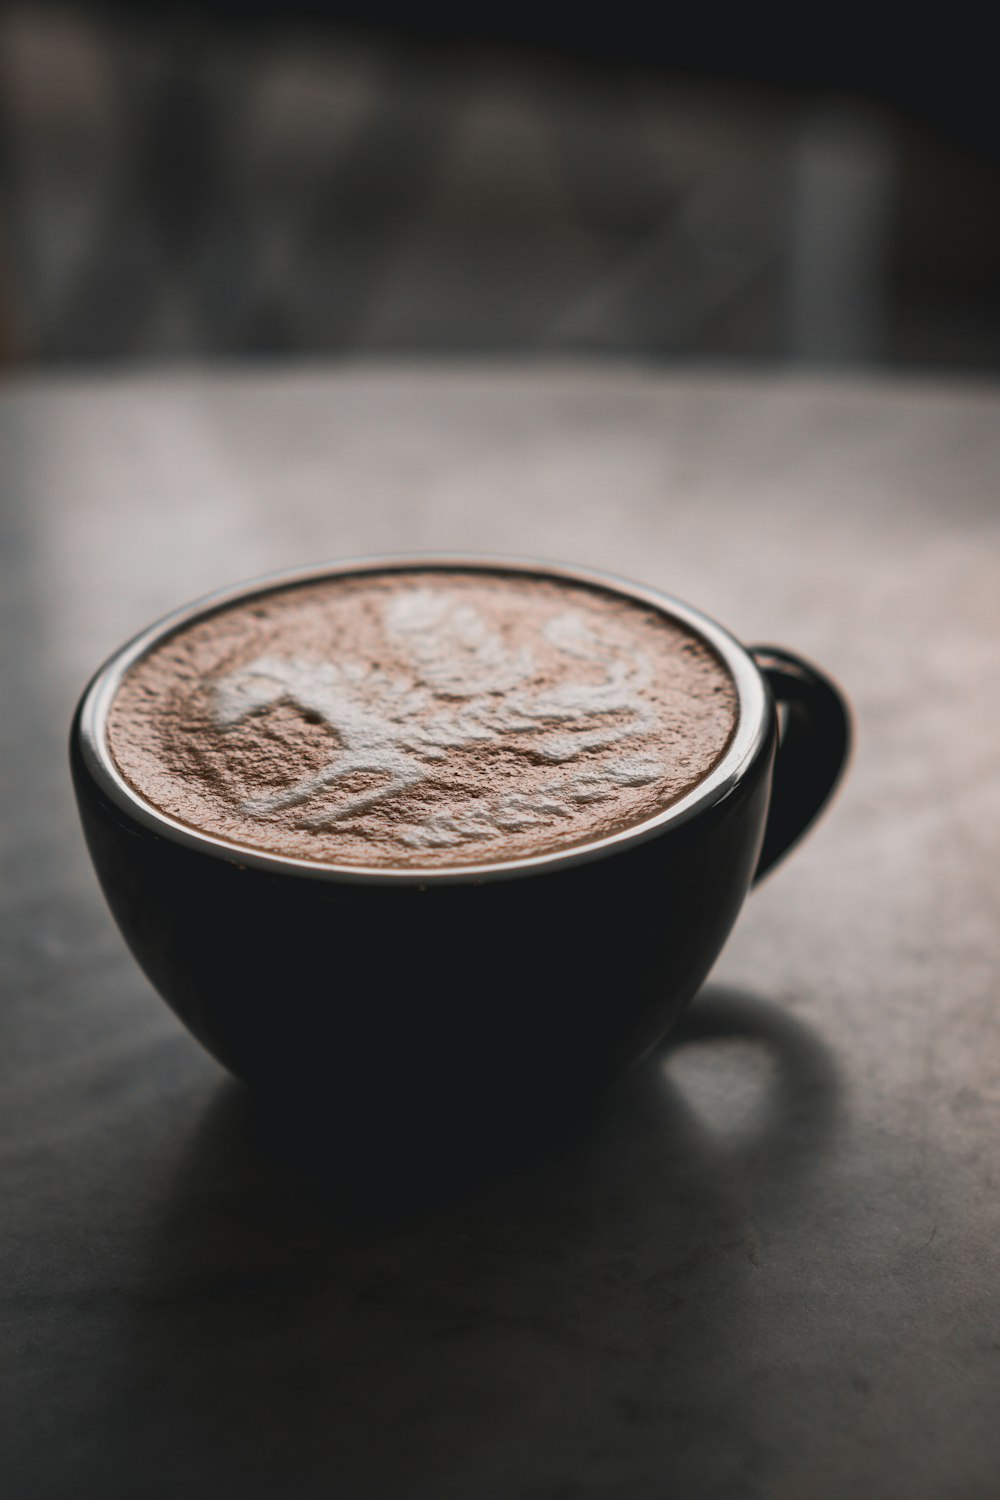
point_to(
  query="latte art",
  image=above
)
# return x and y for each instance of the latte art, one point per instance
(422, 718)
(464, 687)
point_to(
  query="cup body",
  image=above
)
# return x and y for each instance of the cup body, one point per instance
(459, 992)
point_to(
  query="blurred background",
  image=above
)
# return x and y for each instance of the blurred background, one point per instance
(236, 180)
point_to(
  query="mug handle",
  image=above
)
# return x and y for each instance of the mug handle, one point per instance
(813, 746)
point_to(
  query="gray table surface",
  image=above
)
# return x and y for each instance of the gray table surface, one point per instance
(770, 1268)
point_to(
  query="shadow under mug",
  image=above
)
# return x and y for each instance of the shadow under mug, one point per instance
(463, 995)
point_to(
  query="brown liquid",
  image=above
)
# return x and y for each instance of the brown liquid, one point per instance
(422, 719)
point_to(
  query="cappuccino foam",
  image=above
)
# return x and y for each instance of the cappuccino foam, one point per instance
(422, 718)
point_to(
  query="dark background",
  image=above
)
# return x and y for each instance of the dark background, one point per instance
(254, 180)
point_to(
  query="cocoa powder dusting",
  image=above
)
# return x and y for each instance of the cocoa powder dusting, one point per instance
(422, 719)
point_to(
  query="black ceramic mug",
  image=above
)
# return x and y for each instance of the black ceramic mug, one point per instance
(466, 994)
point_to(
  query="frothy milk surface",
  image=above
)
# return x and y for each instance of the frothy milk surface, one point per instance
(424, 718)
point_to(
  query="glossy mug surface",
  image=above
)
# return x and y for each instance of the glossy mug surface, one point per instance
(471, 991)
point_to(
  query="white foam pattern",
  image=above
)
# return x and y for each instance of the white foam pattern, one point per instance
(463, 686)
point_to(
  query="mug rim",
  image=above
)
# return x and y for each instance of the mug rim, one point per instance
(748, 737)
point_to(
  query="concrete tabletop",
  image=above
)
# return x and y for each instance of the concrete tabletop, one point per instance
(770, 1266)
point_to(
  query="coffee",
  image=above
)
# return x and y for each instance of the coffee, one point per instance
(422, 718)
